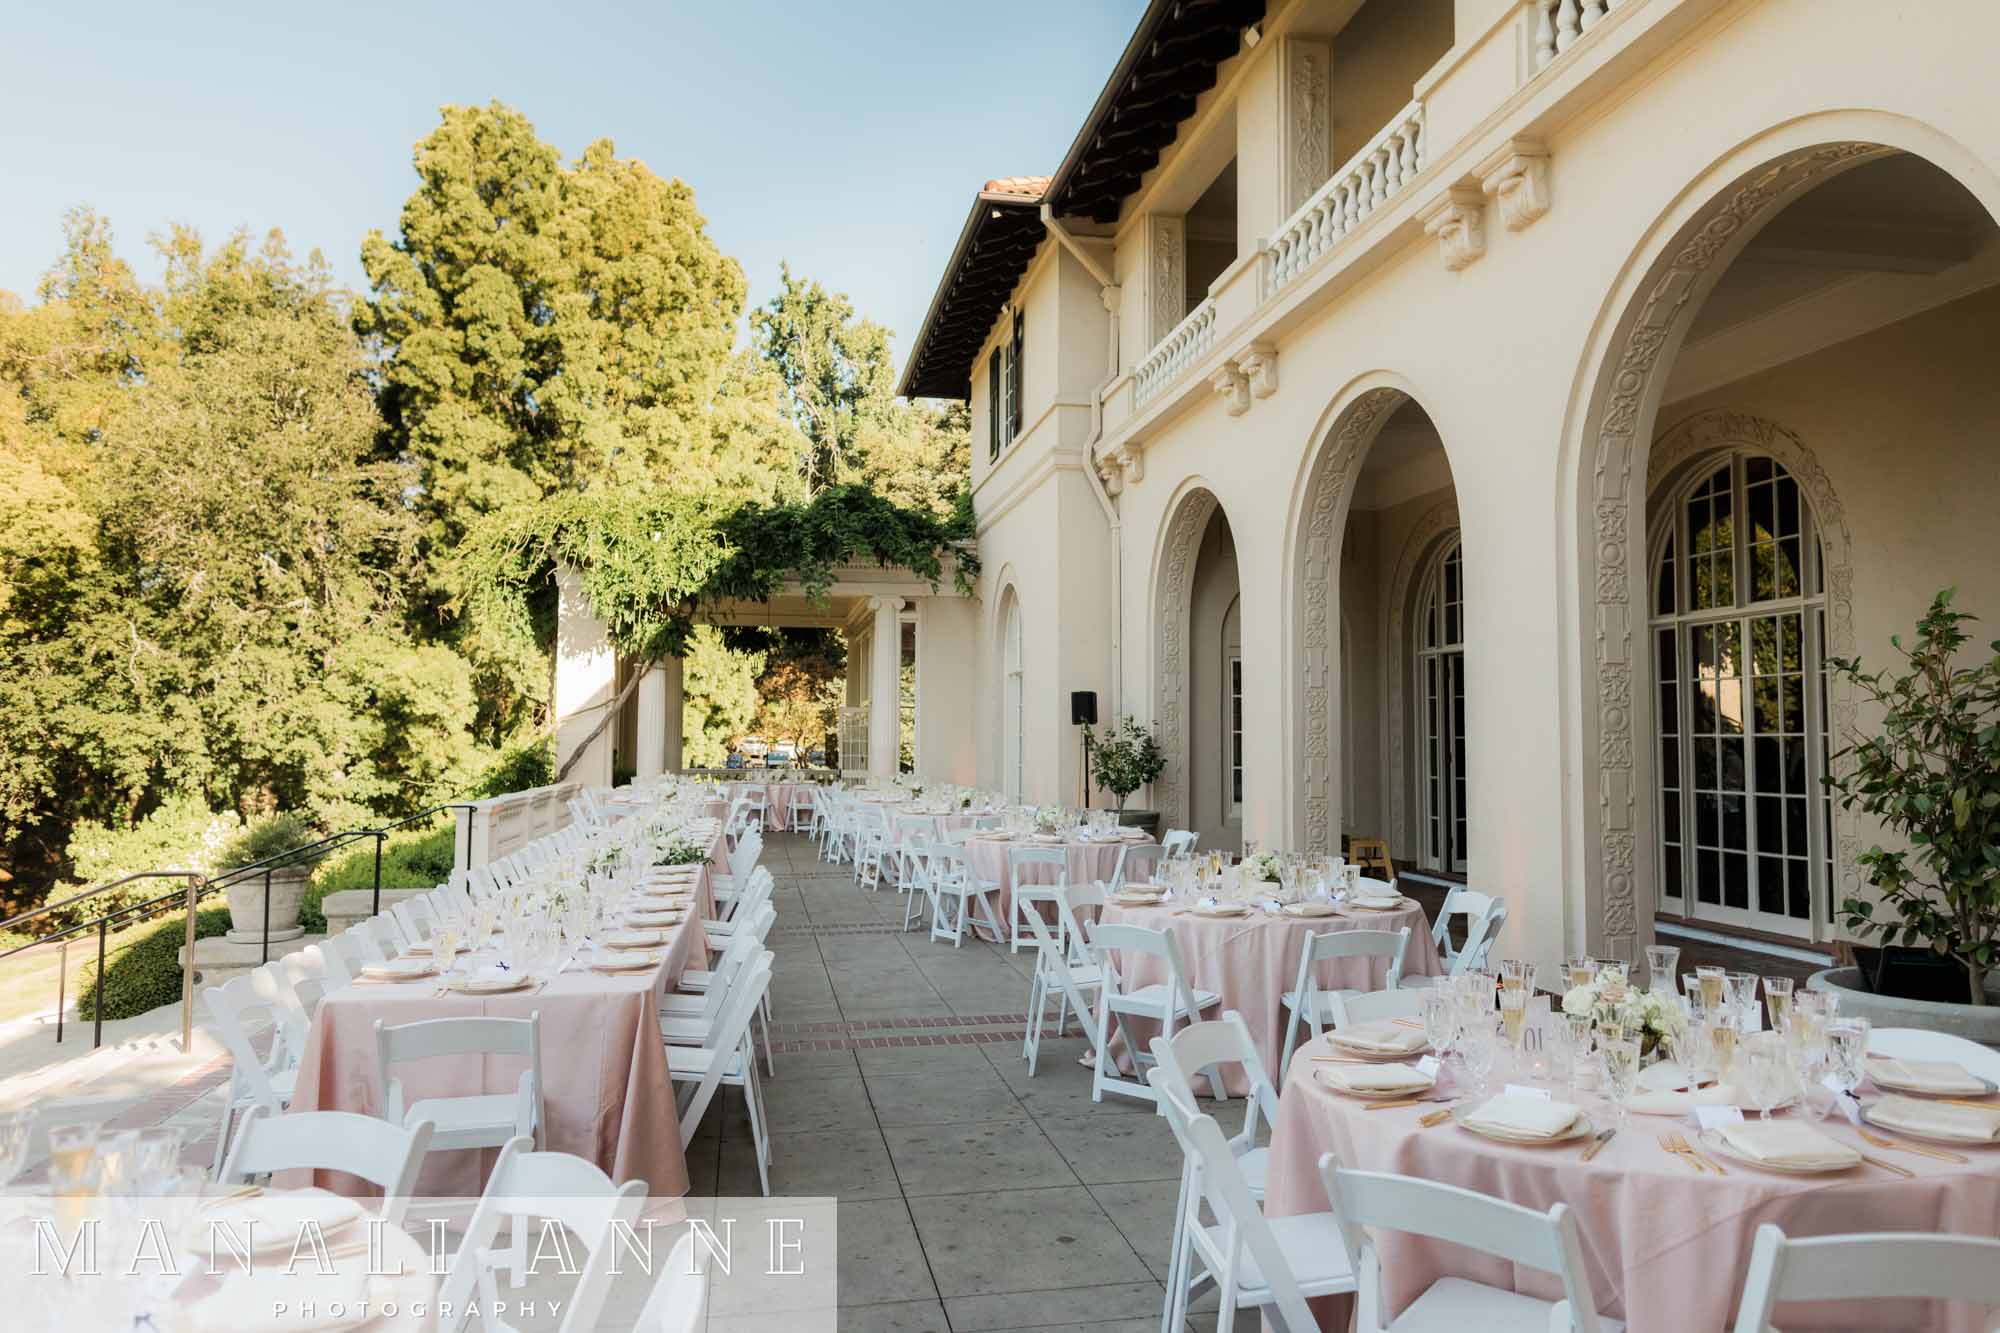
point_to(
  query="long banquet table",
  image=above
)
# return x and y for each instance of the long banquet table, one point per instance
(607, 1096)
(1666, 1248)
(1252, 960)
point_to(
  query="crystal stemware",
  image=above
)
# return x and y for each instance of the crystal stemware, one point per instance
(1621, 1075)
(1661, 959)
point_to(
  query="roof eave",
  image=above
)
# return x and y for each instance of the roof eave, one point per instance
(967, 234)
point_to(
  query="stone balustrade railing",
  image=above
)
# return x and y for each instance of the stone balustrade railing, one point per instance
(495, 827)
(1561, 22)
(1389, 161)
(1186, 344)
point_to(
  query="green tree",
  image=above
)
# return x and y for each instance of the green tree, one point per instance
(719, 687)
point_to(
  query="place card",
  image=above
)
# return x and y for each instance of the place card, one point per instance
(1715, 1117)
(1523, 1090)
(1849, 1104)
(1429, 1066)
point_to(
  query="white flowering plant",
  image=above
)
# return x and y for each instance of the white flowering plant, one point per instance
(1048, 818)
(1262, 866)
(1654, 1016)
(678, 849)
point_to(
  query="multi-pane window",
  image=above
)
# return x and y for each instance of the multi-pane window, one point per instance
(1015, 703)
(1440, 658)
(1737, 640)
(1235, 704)
(1003, 389)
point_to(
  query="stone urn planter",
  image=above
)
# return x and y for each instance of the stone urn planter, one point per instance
(246, 905)
(1980, 1023)
(1148, 820)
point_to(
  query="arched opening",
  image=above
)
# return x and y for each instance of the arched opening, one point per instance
(1199, 673)
(1809, 355)
(1381, 527)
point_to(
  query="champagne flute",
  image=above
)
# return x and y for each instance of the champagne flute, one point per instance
(1581, 971)
(1621, 1074)
(1777, 1000)
(1721, 1032)
(1513, 1016)
(1710, 981)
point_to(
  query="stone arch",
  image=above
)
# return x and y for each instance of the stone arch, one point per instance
(1638, 334)
(1417, 552)
(1188, 517)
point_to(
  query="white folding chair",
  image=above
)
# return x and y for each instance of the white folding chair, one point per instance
(871, 845)
(1891, 1265)
(1028, 897)
(1923, 1044)
(802, 813)
(415, 916)
(686, 1020)
(1374, 1006)
(1162, 1002)
(756, 894)
(1136, 860)
(1460, 903)
(528, 1188)
(680, 1293)
(1059, 973)
(913, 872)
(253, 1081)
(1208, 1047)
(482, 1120)
(1257, 1263)
(726, 1058)
(1365, 1200)
(1177, 842)
(1316, 1007)
(958, 899)
(1481, 930)
(385, 1155)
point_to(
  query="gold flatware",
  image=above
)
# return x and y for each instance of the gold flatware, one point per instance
(1667, 1142)
(1699, 1156)
(1434, 1118)
(1987, 1105)
(1902, 1171)
(1407, 1023)
(1943, 1155)
(1597, 1144)
(1400, 1101)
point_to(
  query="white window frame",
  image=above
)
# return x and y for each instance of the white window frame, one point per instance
(1447, 657)
(1671, 529)
(1013, 703)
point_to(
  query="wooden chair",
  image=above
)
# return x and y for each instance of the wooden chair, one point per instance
(1371, 854)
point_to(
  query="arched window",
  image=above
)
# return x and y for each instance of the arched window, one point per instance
(1738, 632)
(1440, 659)
(1013, 701)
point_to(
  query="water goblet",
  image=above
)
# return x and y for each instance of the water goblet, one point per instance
(1621, 1075)
(1477, 1051)
(1847, 1052)
(1439, 1011)
(1762, 1071)
(1661, 959)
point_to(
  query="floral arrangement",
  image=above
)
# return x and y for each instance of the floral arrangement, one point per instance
(1262, 866)
(1048, 818)
(678, 849)
(606, 859)
(1609, 999)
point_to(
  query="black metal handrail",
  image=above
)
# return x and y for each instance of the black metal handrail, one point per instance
(199, 886)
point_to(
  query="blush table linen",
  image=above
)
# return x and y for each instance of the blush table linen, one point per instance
(607, 1096)
(1088, 862)
(1250, 961)
(1666, 1249)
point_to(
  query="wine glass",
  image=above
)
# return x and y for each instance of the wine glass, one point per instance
(1661, 959)
(1621, 1074)
(1762, 1071)
(1477, 1051)
(1439, 1011)
(444, 945)
(1847, 1052)
(1777, 999)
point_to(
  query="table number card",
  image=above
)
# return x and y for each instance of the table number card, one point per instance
(1523, 1090)
(1715, 1117)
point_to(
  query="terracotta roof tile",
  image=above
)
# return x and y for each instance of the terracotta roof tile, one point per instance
(1032, 187)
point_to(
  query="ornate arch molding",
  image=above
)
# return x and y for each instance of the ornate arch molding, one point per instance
(1719, 430)
(1615, 435)
(1322, 522)
(1417, 552)
(1179, 549)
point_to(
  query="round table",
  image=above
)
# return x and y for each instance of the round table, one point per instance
(1666, 1248)
(1091, 860)
(1252, 960)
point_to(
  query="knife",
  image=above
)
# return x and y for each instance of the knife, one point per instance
(1597, 1144)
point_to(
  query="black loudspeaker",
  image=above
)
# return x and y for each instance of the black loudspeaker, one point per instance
(1083, 708)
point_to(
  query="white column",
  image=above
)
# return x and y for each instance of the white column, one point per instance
(658, 749)
(885, 695)
(586, 681)
(670, 746)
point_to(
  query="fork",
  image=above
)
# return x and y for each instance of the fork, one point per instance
(1667, 1142)
(1941, 1154)
(1902, 1171)
(1681, 1144)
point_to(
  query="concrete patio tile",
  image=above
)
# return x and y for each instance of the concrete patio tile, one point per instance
(1021, 1240)
(1060, 1086)
(947, 1094)
(968, 1158)
(896, 1317)
(809, 1103)
(1112, 1149)
(941, 1060)
(881, 1260)
(814, 1064)
(850, 1164)
(1144, 1214)
(1071, 1306)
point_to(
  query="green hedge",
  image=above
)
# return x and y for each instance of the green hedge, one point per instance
(411, 859)
(146, 973)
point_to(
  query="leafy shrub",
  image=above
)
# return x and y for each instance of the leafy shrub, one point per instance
(519, 768)
(263, 840)
(181, 834)
(146, 973)
(411, 859)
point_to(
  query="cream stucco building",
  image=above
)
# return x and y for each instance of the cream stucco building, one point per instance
(1473, 423)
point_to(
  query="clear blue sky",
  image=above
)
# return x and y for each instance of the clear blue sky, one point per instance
(845, 136)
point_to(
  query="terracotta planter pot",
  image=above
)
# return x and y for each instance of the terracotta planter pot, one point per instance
(246, 905)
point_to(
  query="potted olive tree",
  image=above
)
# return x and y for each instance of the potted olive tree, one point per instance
(1931, 778)
(245, 889)
(1126, 759)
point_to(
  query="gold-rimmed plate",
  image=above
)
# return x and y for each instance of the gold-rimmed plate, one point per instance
(1580, 1128)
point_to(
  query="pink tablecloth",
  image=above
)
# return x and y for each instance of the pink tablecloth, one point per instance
(606, 1093)
(1088, 861)
(1251, 961)
(1666, 1248)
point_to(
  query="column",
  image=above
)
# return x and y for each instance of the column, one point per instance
(885, 694)
(649, 752)
(670, 747)
(586, 680)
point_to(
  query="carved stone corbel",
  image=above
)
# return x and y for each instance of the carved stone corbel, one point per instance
(1234, 386)
(1519, 183)
(1112, 475)
(1259, 362)
(1131, 463)
(1459, 222)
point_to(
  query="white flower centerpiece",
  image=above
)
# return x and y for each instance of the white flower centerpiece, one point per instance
(1610, 998)
(1048, 818)
(1262, 866)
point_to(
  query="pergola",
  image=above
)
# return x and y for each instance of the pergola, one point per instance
(882, 609)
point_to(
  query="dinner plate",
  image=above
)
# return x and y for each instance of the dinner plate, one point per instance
(1220, 909)
(630, 962)
(425, 948)
(1580, 1128)
(1710, 1141)
(490, 985)
(635, 939)
(1396, 906)
(1911, 1090)
(1320, 1077)
(1374, 1057)
(401, 969)
(1309, 909)
(271, 1221)
(1137, 899)
(1928, 1136)
(642, 920)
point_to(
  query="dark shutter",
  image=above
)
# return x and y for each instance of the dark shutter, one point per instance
(994, 410)
(1014, 378)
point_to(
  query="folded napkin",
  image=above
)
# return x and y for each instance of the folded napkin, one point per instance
(1945, 1078)
(1049, 839)
(247, 1304)
(611, 960)
(1946, 1120)
(1370, 1079)
(1789, 1143)
(1210, 907)
(1676, 1101)
(401, 969)
(635, 939)
(654, 918)
(272, 1220)
(1310, 907)
(1384, 1036)
(490, 981)
(1366, 899)
(1511, 1114)
(425, 948)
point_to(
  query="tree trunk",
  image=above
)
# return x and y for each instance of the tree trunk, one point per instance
(610, 712)
(1976, 981)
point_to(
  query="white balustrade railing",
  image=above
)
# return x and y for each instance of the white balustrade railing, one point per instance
(1389, 162)
(1186, 344)
(1560, 22)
